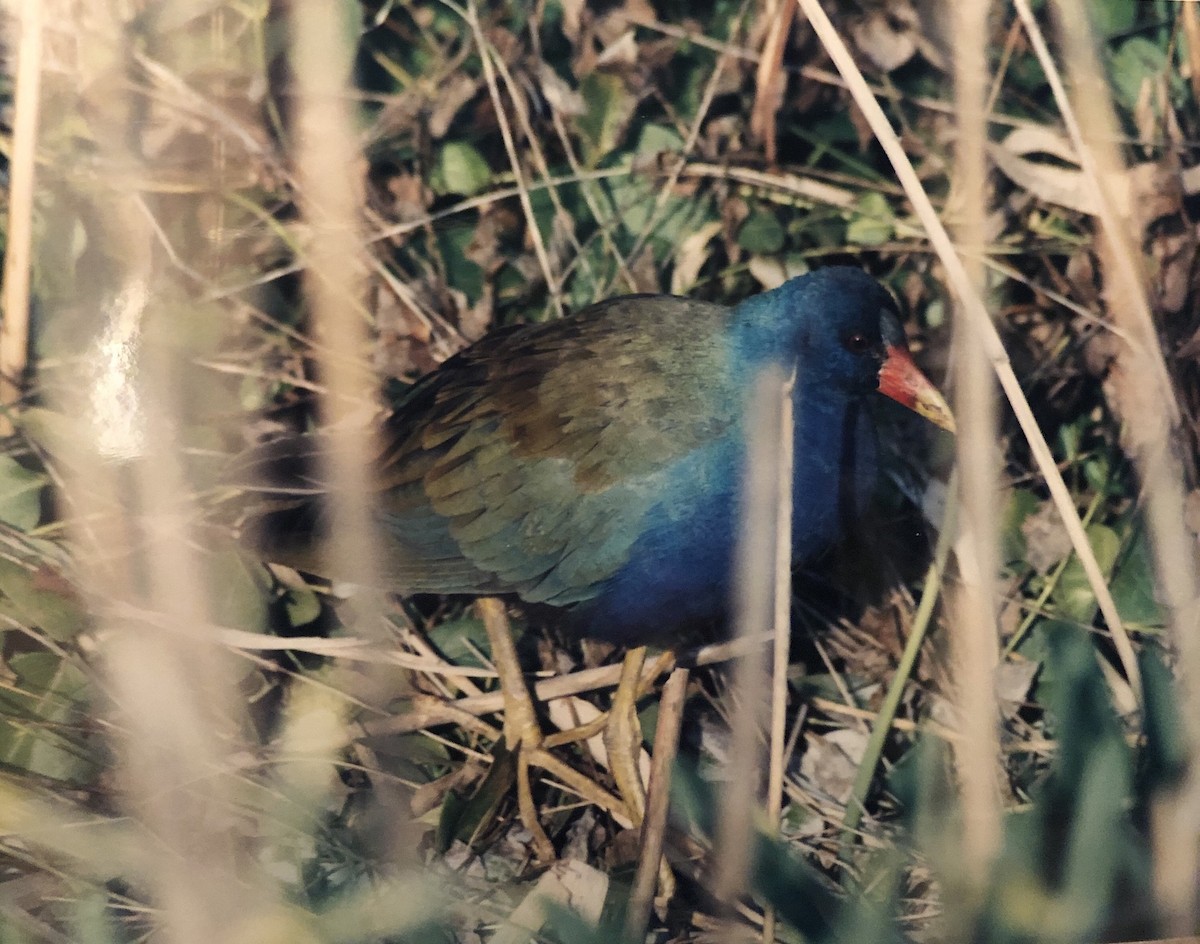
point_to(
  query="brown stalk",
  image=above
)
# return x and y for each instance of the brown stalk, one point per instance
(173, 711)
(974, 640)
(770, 79)
(753, 608)
(785, 457)
(14, 330)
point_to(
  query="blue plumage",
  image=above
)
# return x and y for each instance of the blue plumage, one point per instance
(593, 464)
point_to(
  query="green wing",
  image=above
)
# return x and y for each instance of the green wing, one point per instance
(526, 463)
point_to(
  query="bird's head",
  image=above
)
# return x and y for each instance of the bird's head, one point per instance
(849, 338)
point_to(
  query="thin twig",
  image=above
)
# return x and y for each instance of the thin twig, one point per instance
(563, 686)
(886, 717)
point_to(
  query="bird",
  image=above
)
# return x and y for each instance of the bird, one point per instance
(591, 465)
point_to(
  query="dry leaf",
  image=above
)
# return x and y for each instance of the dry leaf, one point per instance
(622, 51)
(770, 79)
(691, 257)
(1046, 540)
(1067, 186)
(888, 37)
(572, 11)
(1013, 680)
(451, 97)
(560, 96)
(572, 884)
(771, 272)
(830, 761)
(1052, 183)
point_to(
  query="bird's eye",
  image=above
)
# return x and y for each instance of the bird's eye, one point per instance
(857, 343)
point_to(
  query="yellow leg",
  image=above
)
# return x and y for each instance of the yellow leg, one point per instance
(522, 733)
(623, 736)
(521, 727)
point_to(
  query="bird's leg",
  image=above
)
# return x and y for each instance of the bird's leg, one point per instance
(542, 846)
(663, 665)
(521, 727)
(623, 735)
(522, 733)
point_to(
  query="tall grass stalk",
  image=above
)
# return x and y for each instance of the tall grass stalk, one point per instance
(973, 636)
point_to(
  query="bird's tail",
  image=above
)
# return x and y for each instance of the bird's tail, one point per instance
(272, 499)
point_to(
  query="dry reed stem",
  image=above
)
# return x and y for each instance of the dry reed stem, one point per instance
(351, 648)
(14, 330)
(769, 78)
(783, 620)
(329, 171)
(434, 711)
(1099, 163)
(974, 639)
(1139, 390)
(328, 161)
(1190, 14)
(658, 796)
(174, 711)
(753, 610)
(973, 306)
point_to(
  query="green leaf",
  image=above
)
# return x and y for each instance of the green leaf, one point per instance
(1165, 759)
(302, 606)
(874, 224)
(1133, 585)
(457, 640)
(1136, 60)
(34, 716)
(238, 592)
(454, 241)
(657, 139)
(1073, 596)
(459, 168)
(468, 819)
(609, 106)
(1094, 853)
(1021, 504)
(1113, 17)
(31, 601)
(761, 233)
(20, 494)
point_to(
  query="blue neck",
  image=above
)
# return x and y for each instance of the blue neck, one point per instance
(835, 466)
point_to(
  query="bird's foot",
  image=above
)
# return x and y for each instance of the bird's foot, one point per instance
(623, 736)
(522, 733)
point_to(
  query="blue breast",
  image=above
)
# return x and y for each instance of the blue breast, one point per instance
(678, 571)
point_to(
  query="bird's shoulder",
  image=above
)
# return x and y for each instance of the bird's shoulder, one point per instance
(618, 389)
